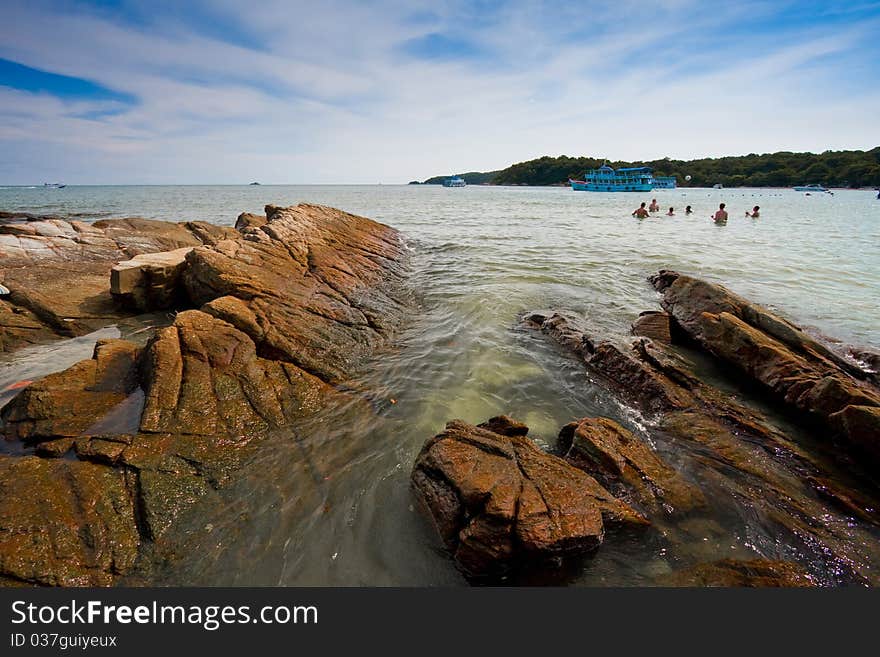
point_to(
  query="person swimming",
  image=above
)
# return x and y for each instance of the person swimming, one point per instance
(720, 216)
(688, 210)
(671, 212)
(654, 207)
(640, 211)
(755, 213)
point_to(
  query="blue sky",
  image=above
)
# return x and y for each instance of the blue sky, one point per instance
(129, 91)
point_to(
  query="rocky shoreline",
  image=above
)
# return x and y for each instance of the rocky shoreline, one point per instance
(271, 317)
(267, 320)
(484, 514)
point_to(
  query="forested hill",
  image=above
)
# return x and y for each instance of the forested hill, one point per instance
(471, 178)
(784, 169)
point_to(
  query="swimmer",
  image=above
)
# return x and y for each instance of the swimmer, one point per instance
(720, 217)
(671, 212)
(640, 211)
(688, 210)
(654, 207)
(755, 213)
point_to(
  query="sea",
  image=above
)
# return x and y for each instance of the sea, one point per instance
(329, 502)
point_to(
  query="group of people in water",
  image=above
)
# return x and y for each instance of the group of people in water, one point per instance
(720, 216)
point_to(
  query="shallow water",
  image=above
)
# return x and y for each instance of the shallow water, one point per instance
(330, 503)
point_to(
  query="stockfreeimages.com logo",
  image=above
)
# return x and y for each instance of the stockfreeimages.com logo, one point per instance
(209, 617)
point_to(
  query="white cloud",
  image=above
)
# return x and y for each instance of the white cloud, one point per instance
(330, 96)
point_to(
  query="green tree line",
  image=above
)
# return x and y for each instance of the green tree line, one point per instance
(783, 169)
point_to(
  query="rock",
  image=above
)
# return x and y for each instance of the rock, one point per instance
(202, 376)
(210, 233)
(653, 324)
(58, 270)
(498, 500)
(64, 522)
(733, 572)
(801, 494)
(861, 426)
(150, 281)
(870, 360)
(625, 464)
(795, 368)
(319, 288)
(687, 299)
(248, 220)
(66, 404)
(504, 425)
(134, 235)
(165, 425)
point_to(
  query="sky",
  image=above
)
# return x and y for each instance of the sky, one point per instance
(280, 91)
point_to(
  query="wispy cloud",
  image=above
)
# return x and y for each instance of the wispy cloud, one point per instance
(228, 91)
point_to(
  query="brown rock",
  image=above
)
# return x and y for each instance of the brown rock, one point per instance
(504, 425)
(795, 368)
(163, 426)
(66, 404)
(620, 460)
(733, 572)
(150, 281)
(797, 492)
(498, 500)
(202, 376)
(64, 522)
(320, 286)
(248, 220)
(653, 324)
(58, 270)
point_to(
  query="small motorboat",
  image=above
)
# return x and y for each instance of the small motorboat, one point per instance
(810, 188)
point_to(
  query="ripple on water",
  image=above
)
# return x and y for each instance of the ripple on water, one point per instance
(328, 502)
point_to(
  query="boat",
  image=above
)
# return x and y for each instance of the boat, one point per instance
(607, 179)
(54, 185)
(455, 181)
(717, 186)
(665, 182)
(810, 188)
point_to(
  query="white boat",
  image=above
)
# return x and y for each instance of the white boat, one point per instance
(810, 188)
(717, 186)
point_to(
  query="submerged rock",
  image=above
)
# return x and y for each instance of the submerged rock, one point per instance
(498, 501)
(733, 572)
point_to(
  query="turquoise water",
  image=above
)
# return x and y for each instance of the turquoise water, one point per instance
(330, 504)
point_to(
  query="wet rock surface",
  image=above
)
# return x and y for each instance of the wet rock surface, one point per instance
(289, 307)
(797, 369)
(803, 494)
(626, 465)
(732, 572)
(498, 501)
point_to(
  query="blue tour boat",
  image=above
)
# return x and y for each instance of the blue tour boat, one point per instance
(664, 182)
(606, 179)
(455, 181)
